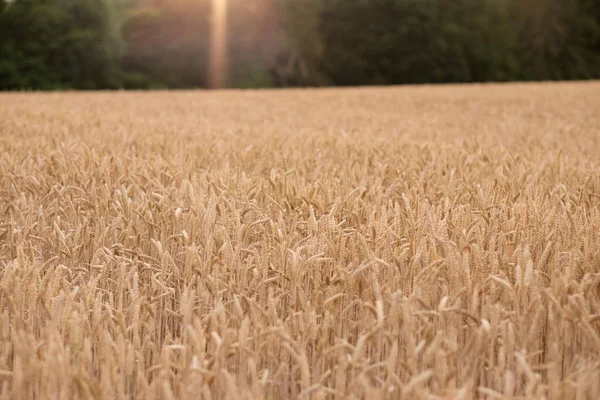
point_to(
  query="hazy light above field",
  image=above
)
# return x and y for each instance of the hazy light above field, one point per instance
(218, 45)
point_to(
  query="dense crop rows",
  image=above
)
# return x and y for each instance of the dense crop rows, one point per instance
(418, 242)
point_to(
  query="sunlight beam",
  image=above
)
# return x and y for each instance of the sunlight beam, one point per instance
(218, 69)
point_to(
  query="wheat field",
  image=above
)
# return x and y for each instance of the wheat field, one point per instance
(401, 243)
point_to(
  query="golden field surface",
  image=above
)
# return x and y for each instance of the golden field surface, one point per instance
(412, 242)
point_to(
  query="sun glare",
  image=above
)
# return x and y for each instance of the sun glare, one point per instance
(218, 45)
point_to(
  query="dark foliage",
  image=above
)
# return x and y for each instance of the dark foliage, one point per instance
(143, 44)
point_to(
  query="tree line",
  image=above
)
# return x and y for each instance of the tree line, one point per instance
(145, 44)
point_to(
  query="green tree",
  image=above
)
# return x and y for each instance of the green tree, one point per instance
(417, 41)
(167, 43)
(301, 47)
(483, 38)
(56, 44)
(24, 58)
(97, 44)
(560, 39)
(365, 42)
(386, 42)
(253, 42)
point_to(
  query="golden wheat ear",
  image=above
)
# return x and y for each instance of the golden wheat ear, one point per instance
(292, 244)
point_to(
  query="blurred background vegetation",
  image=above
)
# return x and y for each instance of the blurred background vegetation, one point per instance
(146, 44)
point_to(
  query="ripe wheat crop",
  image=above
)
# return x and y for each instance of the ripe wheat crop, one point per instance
(401, 243)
